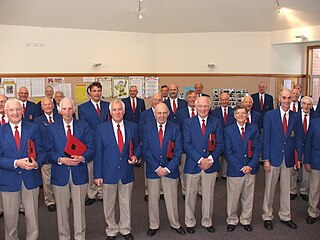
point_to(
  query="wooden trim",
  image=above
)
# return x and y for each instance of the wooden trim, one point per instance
(18, 75)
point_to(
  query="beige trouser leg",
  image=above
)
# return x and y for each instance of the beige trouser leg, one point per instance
(93, 190)
(109, 199)
(314, 194)
(294, 182)
(271, 179)
(305, 183)
(146, 182)
(63, 195)
(47, 187)
(11, 205)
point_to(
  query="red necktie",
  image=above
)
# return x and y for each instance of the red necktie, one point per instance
(305, 124)
(225, 116)
(294, 107)
(50, 119)
(133, 106)
(120, 139)
(23, 108)
(284, 124)
(261, 103)
(242, 133)
(160, 135)
(3, 121)
(98, 110)
(203, 127)
(174, 106)
(248, 120)
(192, 112)
(17, 137)
(69, 131)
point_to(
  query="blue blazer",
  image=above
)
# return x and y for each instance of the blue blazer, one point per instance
(57, 141)
(196, 146)
(29, 113)
(109, 163)
(256, 118)
(236, 150)
(11, 178)
(145, 117)
(129, 115)
(181, 104)
(38, 110)
(218, 114)
(182, 115)
(267, 104)
(312, 149)
(276, 145)
(155, 156)
(88, 113)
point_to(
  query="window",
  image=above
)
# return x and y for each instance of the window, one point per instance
(313, 72)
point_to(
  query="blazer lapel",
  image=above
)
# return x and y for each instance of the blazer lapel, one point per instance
(166, 137)
(24, 137)
(280, 126)
(291, 123)
(10, 139)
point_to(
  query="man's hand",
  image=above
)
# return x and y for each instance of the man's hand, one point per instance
(133, 160)
(71, 161)
(307, 167)
(98, 181)
(162, 172)
(25, 164)
(205, 164)
(267, 166)
(246, 169)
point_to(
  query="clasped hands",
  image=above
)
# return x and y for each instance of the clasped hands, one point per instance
(24, 163)
(73, 161)
(205, 163)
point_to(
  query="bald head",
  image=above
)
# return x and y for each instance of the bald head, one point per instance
(156, 99)
(161, 113)
(173, 91)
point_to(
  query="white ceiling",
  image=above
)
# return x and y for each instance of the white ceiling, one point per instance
(161, 16)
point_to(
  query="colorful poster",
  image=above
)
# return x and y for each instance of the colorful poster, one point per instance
(81, 93)
(151, 86)
(106, 83)
(137, 81)
(120, 87)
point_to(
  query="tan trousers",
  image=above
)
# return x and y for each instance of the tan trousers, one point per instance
(78, 195)
(314, 194)
(305, 183)
(182, 174)
(47, 187)
(208, 181)
(146, 192)
(170, 191)
(93, 191)
(271, 179)
(11, 206)
(109, 200)
(240, 189)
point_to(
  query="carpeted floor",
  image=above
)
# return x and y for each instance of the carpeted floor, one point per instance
(96, 224)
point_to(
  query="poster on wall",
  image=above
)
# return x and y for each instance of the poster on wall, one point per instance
(235, 96)
(120, 87)
(185, 90)
(9, 90)
(37, 87)
(55, 80)
(151, 86)
(137, 81)
(106, 83)
(66, 89)
(81, 93)
(23, 82)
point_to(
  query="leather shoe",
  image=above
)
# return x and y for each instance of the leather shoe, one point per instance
(191, 230)
(268, 225)
(224, 178)
(290, 224)
(111, 237)
(293, 196)
(310, 220)
(247, 227)
(146, 198)
(22, 212)
(89, 201)
(210, 229)
(304, 197)
(231, 227)
(152, 232)
(1, 214)
(128, 236)
(162, 196)
(52, 208)
(179, 230)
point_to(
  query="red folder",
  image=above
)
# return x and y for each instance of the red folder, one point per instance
(130, 149)
(296, 161)
(74, 147)
(31, 150)
(212, 142)
(250, 149)
(170, 150)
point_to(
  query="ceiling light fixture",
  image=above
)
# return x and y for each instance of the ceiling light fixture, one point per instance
(303, 38)
(140, 16)
(281, 10)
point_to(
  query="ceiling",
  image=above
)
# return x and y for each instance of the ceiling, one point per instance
(161, 16)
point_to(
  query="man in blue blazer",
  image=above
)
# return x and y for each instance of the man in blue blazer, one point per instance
(174, 103)
(48, 93)
(117, 150)
(44, 121)
(27, 106)
(94, 112)
(305, 115)
(20, 177)
(203, 144)
(162, 148)
(69, 174)
(282, 135)
(226, 116)
(262, 102)
(253, 116)
(242, 145)
(134, 105)
(312, 165)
